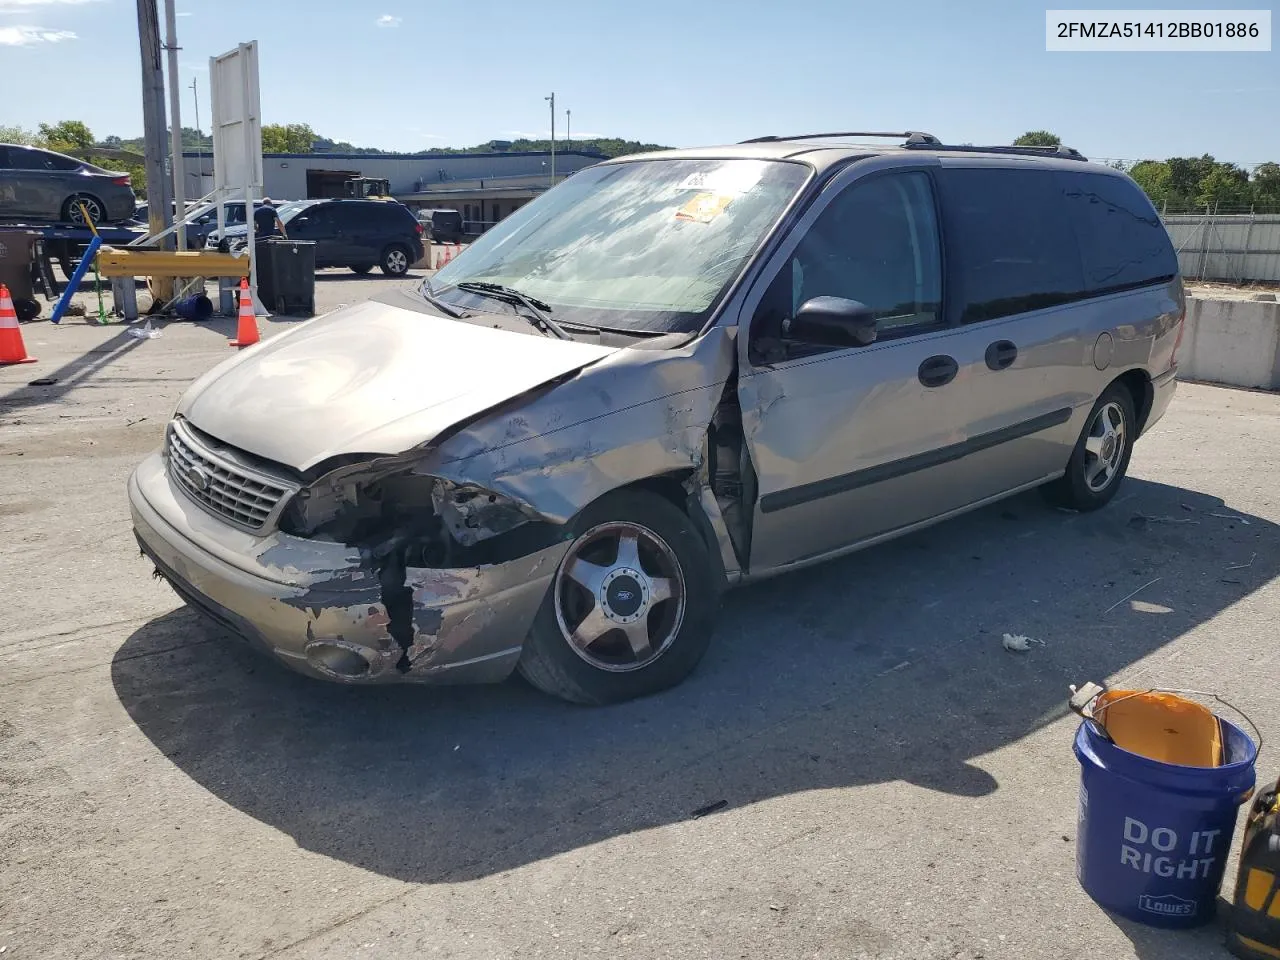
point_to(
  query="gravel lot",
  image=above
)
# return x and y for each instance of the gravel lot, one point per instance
(895, 784)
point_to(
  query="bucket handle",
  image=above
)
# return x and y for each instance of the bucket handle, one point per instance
(1199, 693)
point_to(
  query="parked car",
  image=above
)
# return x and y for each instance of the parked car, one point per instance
(359, 234)
(442, 226)
(39, 184)
(198, 230)
(670, 374)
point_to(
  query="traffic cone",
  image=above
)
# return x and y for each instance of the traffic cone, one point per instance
(12, 349)
(247, 327)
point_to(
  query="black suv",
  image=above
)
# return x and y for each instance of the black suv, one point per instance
(359, 234)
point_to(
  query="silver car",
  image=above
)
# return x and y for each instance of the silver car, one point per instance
(672, 374)
(40, 184)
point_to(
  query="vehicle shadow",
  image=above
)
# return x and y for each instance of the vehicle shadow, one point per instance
(68, 376)
(886, 665)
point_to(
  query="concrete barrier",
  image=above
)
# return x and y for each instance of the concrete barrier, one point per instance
(1231, 341)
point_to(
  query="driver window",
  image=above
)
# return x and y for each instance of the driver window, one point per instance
(877, 243)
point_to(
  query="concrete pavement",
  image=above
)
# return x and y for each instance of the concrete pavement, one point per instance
(894, 783)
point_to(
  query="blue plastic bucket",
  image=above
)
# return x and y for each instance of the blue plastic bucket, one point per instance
(198, 307)
(1153, 838)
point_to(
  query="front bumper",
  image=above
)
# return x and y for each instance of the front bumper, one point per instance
(314, 606)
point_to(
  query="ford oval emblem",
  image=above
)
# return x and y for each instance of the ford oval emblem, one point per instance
(198, 478)
(625, 595)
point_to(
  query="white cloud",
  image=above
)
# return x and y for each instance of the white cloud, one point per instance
(386, 20)
(29, 36)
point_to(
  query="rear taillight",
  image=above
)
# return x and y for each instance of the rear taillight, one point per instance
(418, 227)
(121, 181)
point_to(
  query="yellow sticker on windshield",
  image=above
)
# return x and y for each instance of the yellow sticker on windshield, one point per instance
(704, 207)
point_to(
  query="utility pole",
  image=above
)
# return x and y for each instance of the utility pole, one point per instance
(159, 188)
(552, 98)
(195, 95)
(175, 124)
(568, 129)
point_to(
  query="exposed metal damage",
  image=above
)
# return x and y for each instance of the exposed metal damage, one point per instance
(482, 516)
(422, 549)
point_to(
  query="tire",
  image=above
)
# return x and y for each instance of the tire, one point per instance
(1083, 487)
(362, 268)
(615, 664)
(396, 261)
(93, 206)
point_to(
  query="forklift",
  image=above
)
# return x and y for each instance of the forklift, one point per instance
(361, 188)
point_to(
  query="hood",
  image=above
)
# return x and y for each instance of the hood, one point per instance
(374, 379)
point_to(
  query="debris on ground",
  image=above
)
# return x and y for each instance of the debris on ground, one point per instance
(1134, 594)
(709, 808)
(42, 382)
(1244, 566)
(144, 332)
(1017, 643)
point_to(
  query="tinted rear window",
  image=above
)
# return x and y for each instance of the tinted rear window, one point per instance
(1122, 241)
(1010, 243)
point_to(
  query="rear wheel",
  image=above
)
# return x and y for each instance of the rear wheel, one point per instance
(395, 261)
(362, 268)
(1101, 455)
(71, 210)
(631, 606)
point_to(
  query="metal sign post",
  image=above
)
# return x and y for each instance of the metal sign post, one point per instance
(237, 141)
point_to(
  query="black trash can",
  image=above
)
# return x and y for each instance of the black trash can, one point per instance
(17, 250)
(287, 275)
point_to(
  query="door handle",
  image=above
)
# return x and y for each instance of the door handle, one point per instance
(1001, 354)
(938, 371)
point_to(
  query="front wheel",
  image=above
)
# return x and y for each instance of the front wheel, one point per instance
(1101, 455)
(395, 261)
(631, 607)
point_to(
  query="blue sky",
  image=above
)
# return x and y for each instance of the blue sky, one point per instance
(413, 75)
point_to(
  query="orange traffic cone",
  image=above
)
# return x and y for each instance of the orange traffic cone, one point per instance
(247, 327)
(12, 349)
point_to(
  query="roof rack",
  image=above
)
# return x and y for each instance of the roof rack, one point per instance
(911, 137)
(1067, 153)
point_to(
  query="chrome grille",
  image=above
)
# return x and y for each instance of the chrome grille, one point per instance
(244, 496)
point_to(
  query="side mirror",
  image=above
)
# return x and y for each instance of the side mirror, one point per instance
(832, 322)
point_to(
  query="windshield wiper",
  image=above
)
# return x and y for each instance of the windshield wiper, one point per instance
(536, 308)
(431, 298)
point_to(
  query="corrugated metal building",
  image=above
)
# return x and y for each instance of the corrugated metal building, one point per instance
(483, 186)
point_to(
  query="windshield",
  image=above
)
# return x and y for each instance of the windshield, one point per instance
(647, 246)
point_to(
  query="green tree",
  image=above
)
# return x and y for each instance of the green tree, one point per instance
(287, 138)
(1225, 185)
(1266, 183)
(67, 136)
(18, 135)
(1038, 138)
(1153, 177)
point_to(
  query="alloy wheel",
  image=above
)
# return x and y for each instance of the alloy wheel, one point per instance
(620, 596)
(1104, 447)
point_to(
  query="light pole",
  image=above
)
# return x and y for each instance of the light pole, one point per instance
(568, 129)
(552, 98)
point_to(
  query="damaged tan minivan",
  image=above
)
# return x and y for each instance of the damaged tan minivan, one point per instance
(670, 374)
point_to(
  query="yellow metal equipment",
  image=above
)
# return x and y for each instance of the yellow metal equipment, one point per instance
(1255, 920)
(134, 262)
